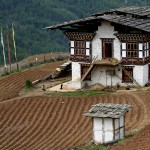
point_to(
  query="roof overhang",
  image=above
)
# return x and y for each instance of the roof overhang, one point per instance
(112, 16)
(107, 110)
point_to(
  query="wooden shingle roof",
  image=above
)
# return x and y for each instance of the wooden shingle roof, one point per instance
(133, 10)
(118, 16)
(107, 110)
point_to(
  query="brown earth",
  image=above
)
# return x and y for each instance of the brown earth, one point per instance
(12, 84)
(57, 123)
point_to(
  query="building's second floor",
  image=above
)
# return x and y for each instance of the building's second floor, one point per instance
(123, 34)
(106, 43)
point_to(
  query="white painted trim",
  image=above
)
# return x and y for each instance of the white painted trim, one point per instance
(87, 44)
(140, 54)
(72, 43)
(123, 46)
(87, 52)
(147, 53)
(123, 53)
(140, 46)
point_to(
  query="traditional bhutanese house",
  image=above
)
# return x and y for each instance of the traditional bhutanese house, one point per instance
(111, 48)
(108, 122)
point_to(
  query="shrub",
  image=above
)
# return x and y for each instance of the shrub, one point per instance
(28, 84)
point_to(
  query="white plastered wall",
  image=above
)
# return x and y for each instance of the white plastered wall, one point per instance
(98, 75)
(140, 74)
(102, 130)
(106, 30)
(76, 76)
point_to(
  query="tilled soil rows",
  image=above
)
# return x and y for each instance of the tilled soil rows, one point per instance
(12, 84)
(51, 123)
(58, 123)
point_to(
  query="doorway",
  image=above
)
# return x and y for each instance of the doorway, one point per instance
(107, 48)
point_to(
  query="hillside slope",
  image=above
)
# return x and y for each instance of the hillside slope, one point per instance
(43, 122)
(50, 123)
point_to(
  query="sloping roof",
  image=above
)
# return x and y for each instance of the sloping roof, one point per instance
(134, 10)
(113, 16)
(142, 24)
(71, 22)
(107, 110)
(139, 11)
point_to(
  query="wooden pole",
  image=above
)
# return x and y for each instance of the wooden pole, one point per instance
(13, 34)
(8, 46)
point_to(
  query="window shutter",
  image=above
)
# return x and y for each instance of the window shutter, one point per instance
(140, 46)
(87, 44)
(123, 46)
(72, 43)
(72, 51)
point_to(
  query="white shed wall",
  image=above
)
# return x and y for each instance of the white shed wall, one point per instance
(122, 129)
(106, 30)
(108, 130)
(102, 130)
(97, 130)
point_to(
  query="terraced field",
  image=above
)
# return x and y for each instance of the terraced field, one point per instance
(57, 123)
(53, 123)
(11, 85)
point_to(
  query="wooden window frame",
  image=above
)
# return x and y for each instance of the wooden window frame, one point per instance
(132, 50)
(84, 68)
(80, 48)
(125, 77)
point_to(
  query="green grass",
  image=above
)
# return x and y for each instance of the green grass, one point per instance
(92, 147)
(79, 93)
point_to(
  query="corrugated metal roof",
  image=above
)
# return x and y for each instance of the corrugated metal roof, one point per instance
(107, 110)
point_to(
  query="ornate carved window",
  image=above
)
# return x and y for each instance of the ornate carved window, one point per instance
(132, 50)
(80, 47)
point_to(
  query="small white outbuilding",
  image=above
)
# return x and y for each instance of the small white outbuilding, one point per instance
(108, 121)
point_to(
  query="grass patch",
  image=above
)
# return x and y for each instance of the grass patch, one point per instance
(91, 147)
(79, 93)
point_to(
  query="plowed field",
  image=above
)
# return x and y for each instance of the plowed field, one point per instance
(11, 85)
(57, 123)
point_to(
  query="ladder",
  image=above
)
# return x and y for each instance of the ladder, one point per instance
(130, 77)
(90, 68)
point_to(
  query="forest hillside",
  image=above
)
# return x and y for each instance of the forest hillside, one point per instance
(31, 16)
